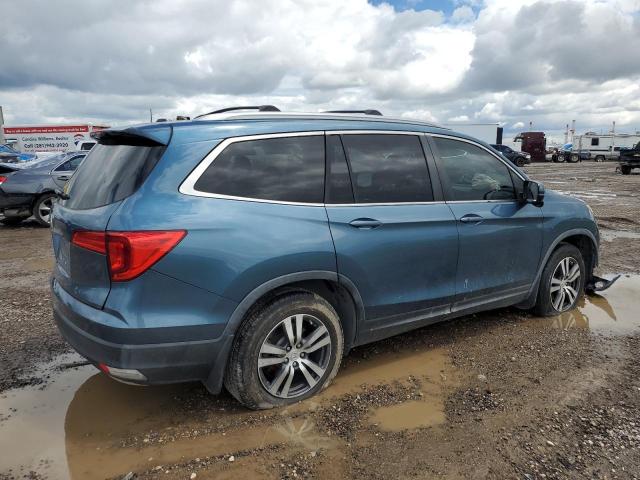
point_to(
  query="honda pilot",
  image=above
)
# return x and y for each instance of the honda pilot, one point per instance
(252, 249)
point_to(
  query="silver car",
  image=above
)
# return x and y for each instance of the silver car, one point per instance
(31, 188)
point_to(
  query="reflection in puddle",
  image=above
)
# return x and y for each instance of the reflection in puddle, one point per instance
(81, 423)
(613, 312)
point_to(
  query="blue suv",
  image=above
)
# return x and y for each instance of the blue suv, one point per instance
(254, 249)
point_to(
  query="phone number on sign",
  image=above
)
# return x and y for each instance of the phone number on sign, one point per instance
(52, 145)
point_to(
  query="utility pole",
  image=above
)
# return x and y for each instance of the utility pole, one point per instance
(150, 116)
(2, 140)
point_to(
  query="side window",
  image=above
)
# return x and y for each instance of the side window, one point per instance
(595, 142)
(338, 183)
(288, 169)
(70, 165)
(471, 173)
(388, 168)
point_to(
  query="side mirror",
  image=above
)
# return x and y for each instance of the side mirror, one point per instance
(533, 193)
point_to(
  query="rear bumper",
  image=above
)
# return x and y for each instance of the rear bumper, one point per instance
(11, 201)
(164, 361)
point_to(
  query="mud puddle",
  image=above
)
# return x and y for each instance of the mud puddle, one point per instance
(611, 235)
(611, 312)
(82, 424)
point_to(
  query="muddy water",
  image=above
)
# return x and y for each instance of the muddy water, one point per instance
(81, 423)
(612, 312)
(611, 235)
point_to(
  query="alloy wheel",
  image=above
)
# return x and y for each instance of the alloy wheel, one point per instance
(565, 283)
(44, 209)
(294, 356)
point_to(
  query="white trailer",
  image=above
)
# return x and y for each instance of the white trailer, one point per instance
(48, 138)
(601, 147)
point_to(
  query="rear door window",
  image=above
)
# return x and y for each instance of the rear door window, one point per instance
(71, 164)
(109, 174)
(388, 168)
(287, 169)
(471, 173)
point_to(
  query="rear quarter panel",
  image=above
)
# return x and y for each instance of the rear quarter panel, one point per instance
(232, 246)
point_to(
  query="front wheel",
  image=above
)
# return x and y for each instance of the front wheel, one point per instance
(285, 352)
(625, 169)
(562, 281)
(520, 161)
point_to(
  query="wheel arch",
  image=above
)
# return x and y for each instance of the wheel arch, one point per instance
(337, 289)
(581, 238)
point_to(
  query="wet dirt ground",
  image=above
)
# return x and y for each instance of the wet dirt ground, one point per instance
(496, 395)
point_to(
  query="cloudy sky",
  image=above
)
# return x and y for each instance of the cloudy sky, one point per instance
(505, 61)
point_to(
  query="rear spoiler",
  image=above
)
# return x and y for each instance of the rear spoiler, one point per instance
(144, 136)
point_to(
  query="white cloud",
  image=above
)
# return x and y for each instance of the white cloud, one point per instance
(543, 61)
(463, 14)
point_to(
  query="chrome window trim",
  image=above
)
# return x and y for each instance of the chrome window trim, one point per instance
(187, 186)
(453, 137)
(374, 132)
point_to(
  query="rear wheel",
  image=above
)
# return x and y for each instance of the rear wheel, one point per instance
(286, 352)
(575, 158)
(599, 158)
(520, 161)
(625, 169)
(43, 208)
(562, 281)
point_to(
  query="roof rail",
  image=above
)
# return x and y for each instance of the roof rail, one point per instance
(260, 108)
(366, 112)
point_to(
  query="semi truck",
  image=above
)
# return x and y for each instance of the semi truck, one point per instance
(534, 143)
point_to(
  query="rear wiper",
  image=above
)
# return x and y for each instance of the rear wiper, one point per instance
(61, 195)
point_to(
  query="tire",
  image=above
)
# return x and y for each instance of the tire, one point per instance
(575, 158)
(12, 221)
(625, 169)
(43, 205)
(599, 158)
(548, 303)
(520, 162)
(560, 159)
(266, 387)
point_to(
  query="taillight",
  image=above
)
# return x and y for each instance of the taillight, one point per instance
(94, 241)
(129, 254)
(3, 179)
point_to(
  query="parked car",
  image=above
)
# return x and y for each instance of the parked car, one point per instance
(30, 189)
(629, 159)
(518, 158)
(255, 249)
(9, 155)
(86, 145)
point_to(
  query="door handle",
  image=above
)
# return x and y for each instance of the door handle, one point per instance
(471, 218)
(63, 177)
(365, 223)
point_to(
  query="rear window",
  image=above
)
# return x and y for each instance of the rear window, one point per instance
(288, 169)
(109, 174)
